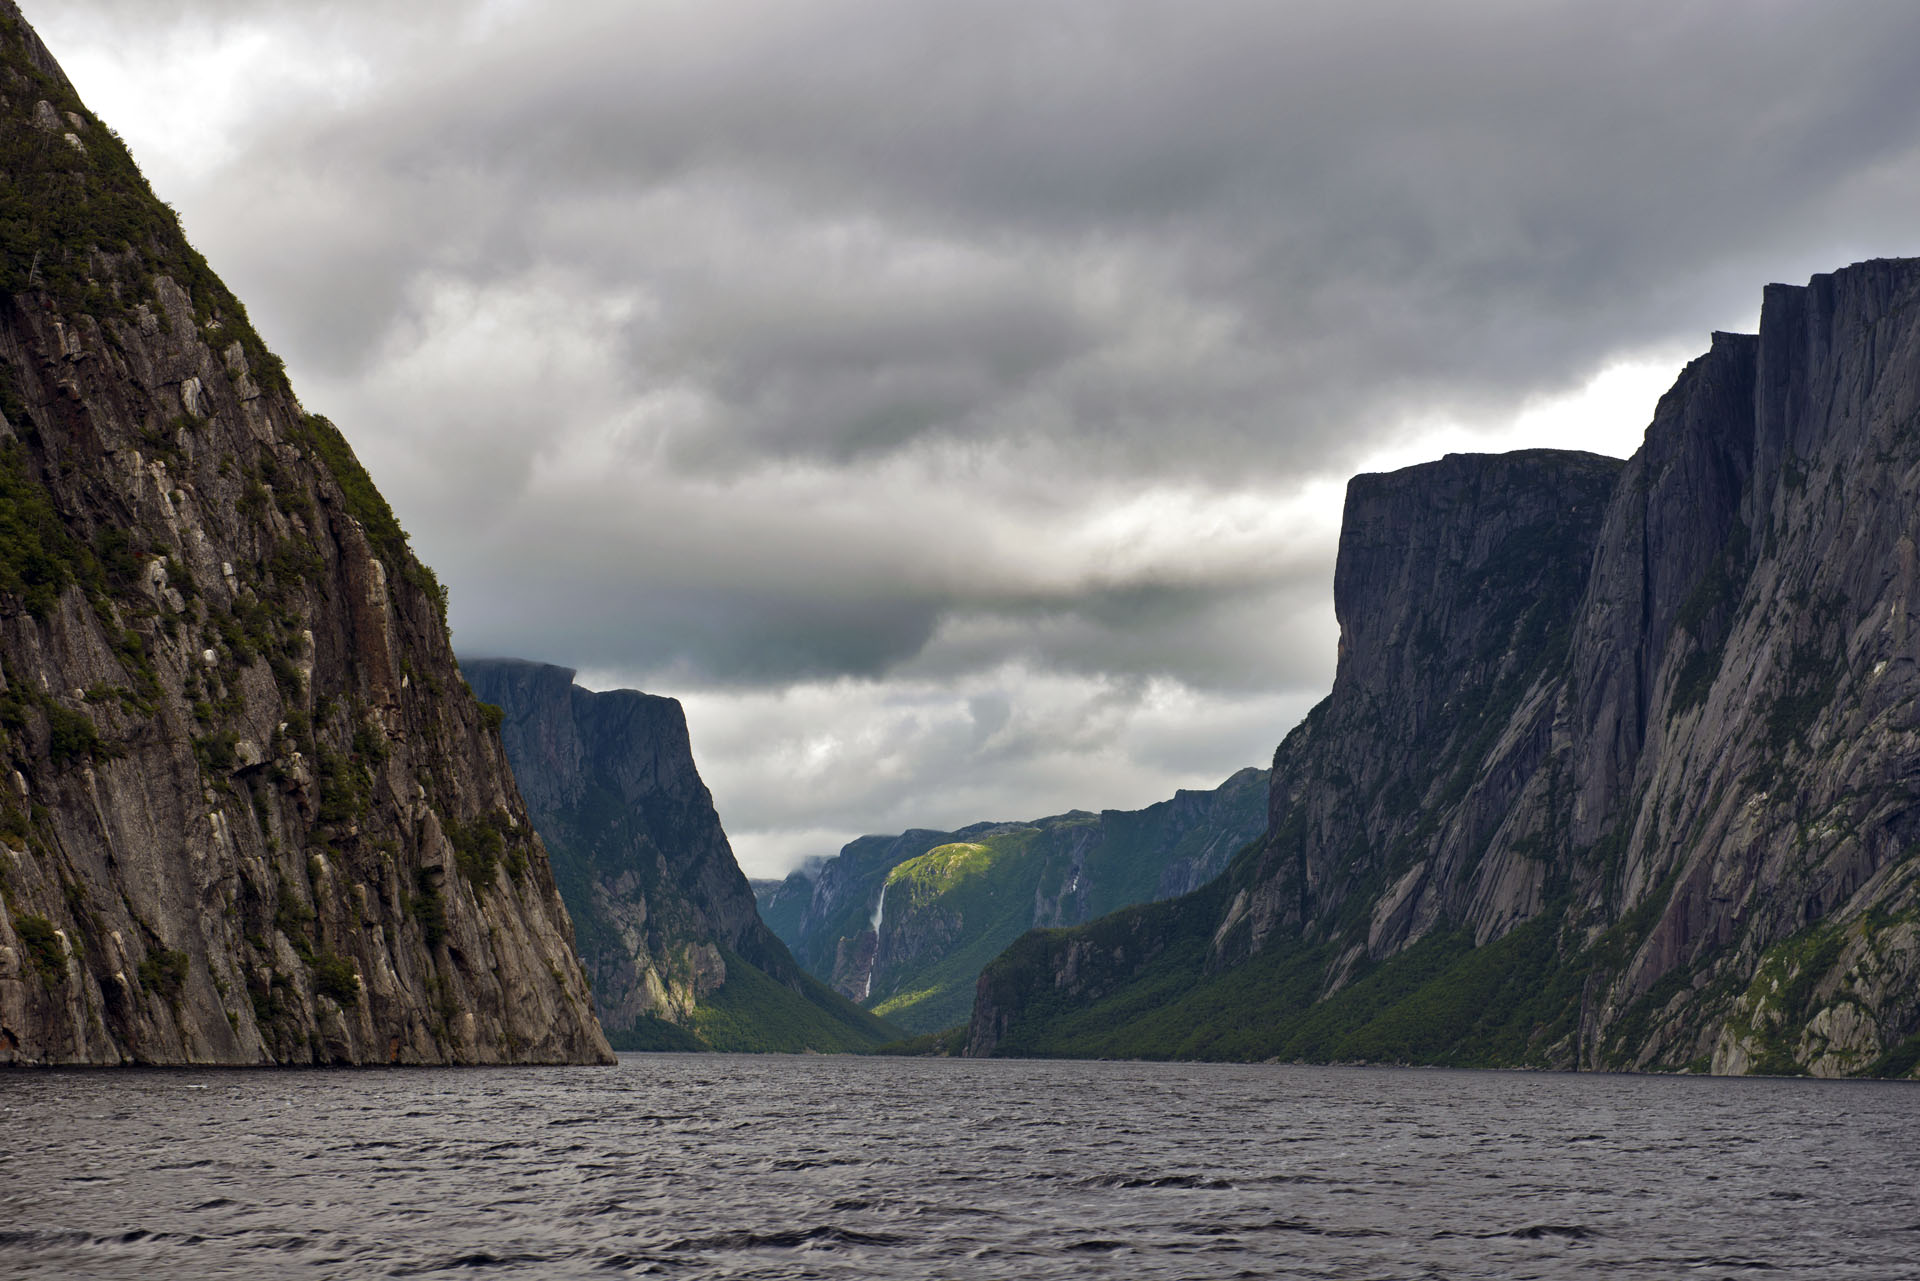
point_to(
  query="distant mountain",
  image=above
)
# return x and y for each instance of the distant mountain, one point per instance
(249, 812)
(1621, 765)
(903, 924)
(662, 915)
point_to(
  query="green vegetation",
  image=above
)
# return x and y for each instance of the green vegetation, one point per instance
(1154, 982)
(366, 506)
(1900, 1061)
(941, 869)
(752, 1013)
(1813, 674)
(215, 752)
(429, 907)
(946, 1043)
(1695, 679)
(953, 905)
(71, 736)
(164, 972)
(1719, 587)
(12, 406)
(333, 975)
(292, 563)
(292, 916)
(15, 824)
(346, 795)
(273, 1010)
(1780, 1000)
(64, 206)
(38, 558)
(1442, 1001)
(481, 846)
(984, 888)
(982, 893)
(657, 1035)
(866, 863)
(370, 746)
(43, 947)
(335, 978)
(1136, 847)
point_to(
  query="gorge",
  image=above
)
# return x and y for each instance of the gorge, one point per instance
(663, 917)
(903, 924)
(1618, 770)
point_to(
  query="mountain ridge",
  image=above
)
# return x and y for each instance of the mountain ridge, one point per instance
(250, 813)
(1680, 833)
(965, 894)
(666, 921)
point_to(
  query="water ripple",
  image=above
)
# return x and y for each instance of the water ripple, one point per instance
(834, 1168)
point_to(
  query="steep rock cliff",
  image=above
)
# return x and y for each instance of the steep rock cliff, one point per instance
(1640, 794)
(666, 922)
(249, 813)
(903, 924)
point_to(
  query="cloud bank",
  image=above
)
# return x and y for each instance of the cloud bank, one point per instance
(951, 401)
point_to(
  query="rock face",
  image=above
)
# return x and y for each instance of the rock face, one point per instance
(953, 900)
(1620, 765)
(249, 813)
(666, 921)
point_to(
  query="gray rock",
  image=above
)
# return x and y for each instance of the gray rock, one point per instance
(666, 919)
(1673, 717)
(221, 848)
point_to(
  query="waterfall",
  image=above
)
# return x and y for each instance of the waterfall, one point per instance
(879, 914)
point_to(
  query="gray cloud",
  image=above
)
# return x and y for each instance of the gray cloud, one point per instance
(789, 768)
(864, 223)
(747, 347)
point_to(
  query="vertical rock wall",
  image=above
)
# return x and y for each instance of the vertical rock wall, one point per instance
(1671, 718)
(249, 812)
(667, 923)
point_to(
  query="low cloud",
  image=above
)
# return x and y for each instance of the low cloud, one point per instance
(794, 771)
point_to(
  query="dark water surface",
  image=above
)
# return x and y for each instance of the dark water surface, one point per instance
(722, 1166)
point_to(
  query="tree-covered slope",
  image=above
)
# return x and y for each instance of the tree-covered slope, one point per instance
(904, 924)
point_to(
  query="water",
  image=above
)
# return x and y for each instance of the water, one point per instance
(717, 1166)
(879, 914)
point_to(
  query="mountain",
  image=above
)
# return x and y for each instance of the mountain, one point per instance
(250, 813)
(1620, 767)
(666, 922)
(904, 924)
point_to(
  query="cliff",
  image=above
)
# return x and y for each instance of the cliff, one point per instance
(249, 811)
(904, 924)
(1618, 767)
(667, 923)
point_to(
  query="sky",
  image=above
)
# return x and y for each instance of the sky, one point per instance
(951, 401)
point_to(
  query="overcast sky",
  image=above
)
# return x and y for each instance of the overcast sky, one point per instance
(950, 401)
